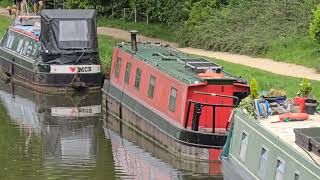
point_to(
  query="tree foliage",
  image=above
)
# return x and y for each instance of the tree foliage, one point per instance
(315, 25)
(240, 26)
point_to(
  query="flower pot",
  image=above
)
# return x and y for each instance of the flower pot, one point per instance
(300, 101)
(310, 106)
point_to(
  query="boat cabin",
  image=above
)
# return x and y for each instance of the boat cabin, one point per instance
(192, 93)
(56, 49)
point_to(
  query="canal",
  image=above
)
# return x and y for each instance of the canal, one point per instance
(70, 137)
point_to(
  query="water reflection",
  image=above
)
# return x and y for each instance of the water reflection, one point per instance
(52, 136)
(63, 137)
(139, 158)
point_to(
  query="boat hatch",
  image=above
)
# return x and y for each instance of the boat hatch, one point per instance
(200, 64)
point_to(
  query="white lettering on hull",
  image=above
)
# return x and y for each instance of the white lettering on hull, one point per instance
(75, 69)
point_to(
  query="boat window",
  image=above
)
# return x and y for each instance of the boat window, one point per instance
(19, 47)
(118, 66)
(152, 83)
(280, 170)
(3, 39)
(10, 39)
(172, 100)
(73, 31)
(244, 146)
(263, 163)
(30, 48)
(73, 34)
(138, 78)
(127, 75)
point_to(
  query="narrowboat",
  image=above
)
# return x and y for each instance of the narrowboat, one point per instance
(54, 52)
(181, 102)
(269, 149)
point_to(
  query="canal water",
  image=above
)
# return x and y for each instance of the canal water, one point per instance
(68, 137)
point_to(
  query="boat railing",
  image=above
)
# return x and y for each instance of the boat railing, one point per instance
(198, 108)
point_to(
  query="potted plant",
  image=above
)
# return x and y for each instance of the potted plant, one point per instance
(276, 95)
(305, 99)
(247, 103)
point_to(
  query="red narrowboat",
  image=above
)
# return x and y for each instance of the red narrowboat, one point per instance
(180, 102)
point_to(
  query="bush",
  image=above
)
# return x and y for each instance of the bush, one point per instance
(315, 25)
(254, 89)
(247, 27)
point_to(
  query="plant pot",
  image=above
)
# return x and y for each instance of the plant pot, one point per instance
(277, 99)
(300, 101)
(310, 106)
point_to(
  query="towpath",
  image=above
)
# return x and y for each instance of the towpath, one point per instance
(269, 65)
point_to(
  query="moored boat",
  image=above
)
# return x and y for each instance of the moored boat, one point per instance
(269, 149)
(53, 52)
(181, 102)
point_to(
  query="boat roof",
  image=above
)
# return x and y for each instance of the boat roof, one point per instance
(28, 25)
(284, 131)
(177, 64)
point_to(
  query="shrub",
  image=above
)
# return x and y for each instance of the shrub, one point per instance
(315, 25)
(305, 88)
(254, 89)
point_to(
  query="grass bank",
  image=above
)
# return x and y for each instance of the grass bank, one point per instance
(106, 45)
(266, 80)
(5, 22)
(295, 49)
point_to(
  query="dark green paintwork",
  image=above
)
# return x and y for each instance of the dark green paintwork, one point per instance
(168, 62)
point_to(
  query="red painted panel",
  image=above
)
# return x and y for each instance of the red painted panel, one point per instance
(222, 113)
(164, 82)
(160, 102)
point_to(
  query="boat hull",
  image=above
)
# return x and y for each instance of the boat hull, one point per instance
(177, 140)
(23, 73)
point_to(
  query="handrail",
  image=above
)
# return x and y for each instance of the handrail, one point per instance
(196, 119)
(218, 95)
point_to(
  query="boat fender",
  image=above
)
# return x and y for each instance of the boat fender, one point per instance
(294, 117)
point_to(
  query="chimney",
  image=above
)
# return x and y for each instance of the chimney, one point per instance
(134, 45)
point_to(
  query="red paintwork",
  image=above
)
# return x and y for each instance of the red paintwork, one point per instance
(164, 82)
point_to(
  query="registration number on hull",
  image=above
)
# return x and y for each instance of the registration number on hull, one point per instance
(76, 111)
(75, 69)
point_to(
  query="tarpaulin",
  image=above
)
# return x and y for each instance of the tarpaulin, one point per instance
(69, 37)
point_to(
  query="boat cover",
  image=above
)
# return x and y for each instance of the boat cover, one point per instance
(69, 37)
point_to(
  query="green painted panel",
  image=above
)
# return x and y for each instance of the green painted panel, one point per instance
(259, 137)
(166, 60)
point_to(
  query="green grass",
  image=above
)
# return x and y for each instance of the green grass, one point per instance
(5, 22)
(268, 80)
(298, 50)
(106, 46)
(165, 32)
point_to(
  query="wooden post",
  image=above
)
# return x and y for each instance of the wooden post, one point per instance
(147, 18)
(124, 13)
(135, 14)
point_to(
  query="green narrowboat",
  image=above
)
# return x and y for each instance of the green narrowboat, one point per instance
(267, 149)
